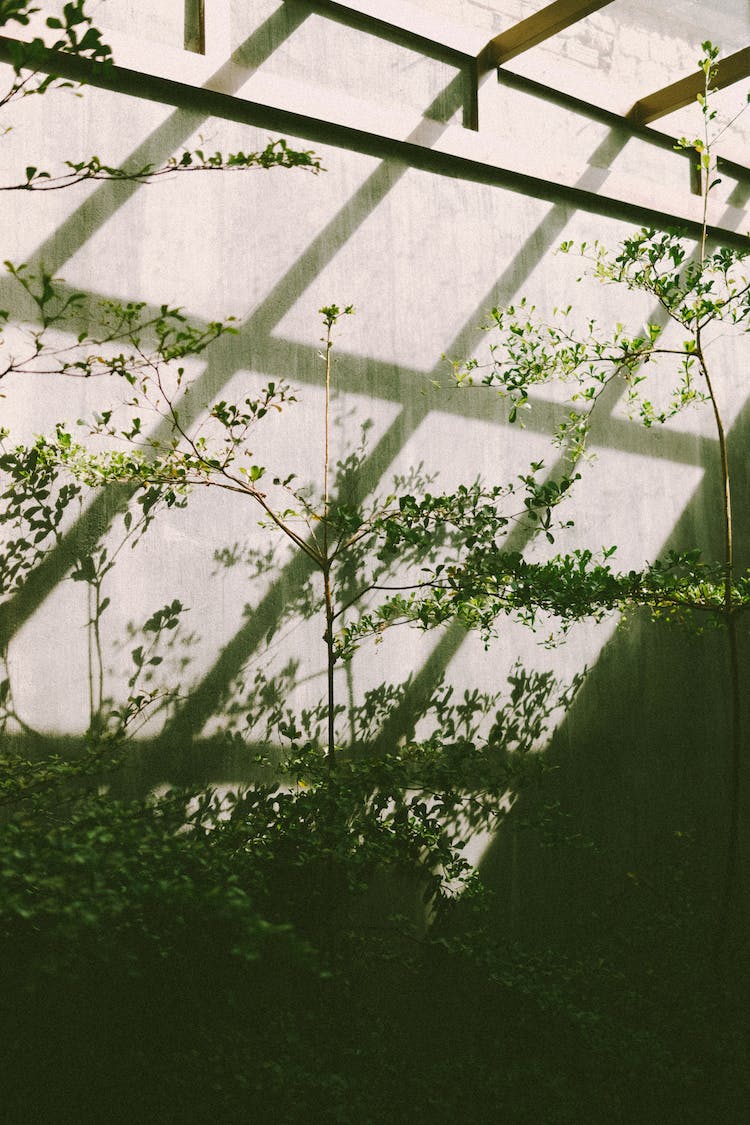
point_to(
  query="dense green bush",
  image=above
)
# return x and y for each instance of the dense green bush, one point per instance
(155, 969)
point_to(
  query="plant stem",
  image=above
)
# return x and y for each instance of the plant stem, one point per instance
(731, 871)
(98, 651)
(326, 561)
(90, 654)
(326, 462)
(330, 658)
(728, 526)
(732, 866)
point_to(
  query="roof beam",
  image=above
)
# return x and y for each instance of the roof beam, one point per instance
(552, 19)
(195, 26)
(681, 93)
(277, 106)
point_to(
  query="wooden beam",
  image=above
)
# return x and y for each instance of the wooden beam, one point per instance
(276, 108)
(681, 93)
(535, 29)
(195, 26)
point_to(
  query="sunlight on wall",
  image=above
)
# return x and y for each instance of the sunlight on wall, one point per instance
(423, 256)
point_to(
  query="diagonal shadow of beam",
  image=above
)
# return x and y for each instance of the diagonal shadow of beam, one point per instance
(261, 322)
(207, 697)
(401, 721)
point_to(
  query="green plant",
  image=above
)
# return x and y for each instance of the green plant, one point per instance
(77, 36)
(697, 289)
(379, 548)
(429, 558)
(36, 505)
(151, 897)
(32, 60)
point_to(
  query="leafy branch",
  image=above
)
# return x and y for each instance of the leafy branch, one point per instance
(151, 338)
(276, 154)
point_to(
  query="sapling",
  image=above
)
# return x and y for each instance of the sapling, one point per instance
(695, 290)
(141, 345)
(376, 552)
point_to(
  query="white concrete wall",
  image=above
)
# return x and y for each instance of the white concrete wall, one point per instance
(423, 255)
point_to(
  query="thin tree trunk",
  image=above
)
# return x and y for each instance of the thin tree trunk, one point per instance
(330, 660)
(732, 874)
(326, 564)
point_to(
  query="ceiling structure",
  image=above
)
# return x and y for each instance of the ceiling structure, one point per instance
(424, 24)
(624, 63)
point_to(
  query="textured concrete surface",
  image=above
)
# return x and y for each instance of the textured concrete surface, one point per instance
(423, 253)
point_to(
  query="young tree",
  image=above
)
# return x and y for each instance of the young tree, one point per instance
(353, 546)
(698, 289)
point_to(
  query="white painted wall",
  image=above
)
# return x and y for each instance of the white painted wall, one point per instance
(423, 256)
